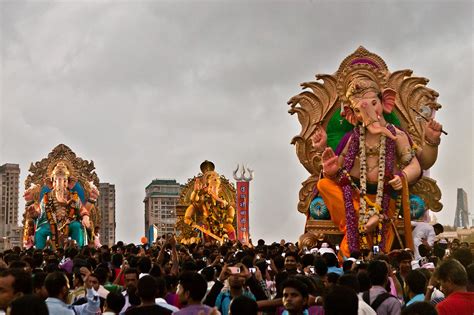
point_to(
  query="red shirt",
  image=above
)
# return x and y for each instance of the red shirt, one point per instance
(459, 303)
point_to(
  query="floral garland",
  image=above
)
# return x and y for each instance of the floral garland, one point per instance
(347, 186)
(347, 190)
(365, 213)
(50, 209)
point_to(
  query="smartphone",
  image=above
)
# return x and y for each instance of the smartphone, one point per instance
(337, 247)
(311, 269)
(252, 270)
(283, 254)
(258, 257)
(234, 270)
(376, 249)
(221, 260)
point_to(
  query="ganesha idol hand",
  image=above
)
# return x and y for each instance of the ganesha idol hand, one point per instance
(330, 163)
(433, 131)
(372, 223)
(319, 139)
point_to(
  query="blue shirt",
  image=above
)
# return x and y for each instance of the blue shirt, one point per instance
(336, 270)
(417, 298)
(224, 298)
(58, 307)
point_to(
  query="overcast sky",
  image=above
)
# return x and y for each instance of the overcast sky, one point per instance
(150, 89)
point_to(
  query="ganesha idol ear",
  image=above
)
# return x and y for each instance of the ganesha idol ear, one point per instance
(388, 100)
(349, 115)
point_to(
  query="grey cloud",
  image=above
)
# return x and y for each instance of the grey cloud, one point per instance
(150, 89)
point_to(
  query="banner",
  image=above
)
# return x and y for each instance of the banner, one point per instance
(242, 211)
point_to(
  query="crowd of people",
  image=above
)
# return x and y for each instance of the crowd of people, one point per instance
(232, 278)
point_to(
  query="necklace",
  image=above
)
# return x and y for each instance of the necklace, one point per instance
(365, 213)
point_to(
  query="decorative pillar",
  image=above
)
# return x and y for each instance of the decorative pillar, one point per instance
(242, 203)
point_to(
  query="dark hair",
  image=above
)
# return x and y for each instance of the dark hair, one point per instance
(438, 228)
(341, 300)
(144, 264)
(347, 265)
(296, 284)
(208, 273)
(101, 274)
(117, 260)
(349, 280)
(416, 281)
(332, 277)
(307, 260)
(404, 255)
(28, 305)
(55, 282)
(22, 281)
(463, 255)
(453, 271)
(160, 287)
(293, 254)
(18, 264)
(420, 308)
(115, 301)
(378, 272)
(194, 283)
(364, 281)
(320, 267)
(243, 305)
(131, 270)
(147, 288)
(330, 259)
(38, 279)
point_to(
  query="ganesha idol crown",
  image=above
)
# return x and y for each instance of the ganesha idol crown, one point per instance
(360, 73)
(60, 170)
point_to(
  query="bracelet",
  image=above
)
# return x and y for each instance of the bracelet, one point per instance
(433, 144)
(91, 201)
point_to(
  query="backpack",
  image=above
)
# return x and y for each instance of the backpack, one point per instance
(378, 300)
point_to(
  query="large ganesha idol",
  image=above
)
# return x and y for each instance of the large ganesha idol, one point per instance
(367, 137)
(209, 199)
(60, 200)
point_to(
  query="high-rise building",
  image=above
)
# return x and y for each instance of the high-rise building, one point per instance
(9, 187)
(161, 198)
(106, 204)
(461, 218)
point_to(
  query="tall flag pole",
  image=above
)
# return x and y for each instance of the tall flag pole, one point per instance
(242, 205)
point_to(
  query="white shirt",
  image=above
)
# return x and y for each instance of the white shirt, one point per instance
(364, 308)
(422, 230)
(162, 302)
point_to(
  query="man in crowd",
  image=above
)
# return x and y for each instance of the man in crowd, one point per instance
(295, 297)
(114, 303)
(57, 285)
(415, 286)
(147, 291)
(192, 288)
(341, 300)
(161, 293)
(291, 263)
(238, 280)
(131, 283)
(13, 284)
(453, 280)
(377, 297)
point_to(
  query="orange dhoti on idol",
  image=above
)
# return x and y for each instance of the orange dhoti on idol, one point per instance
(333, 197)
